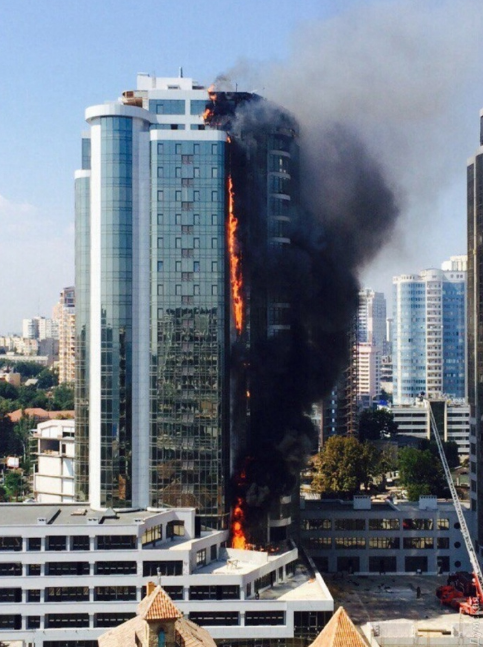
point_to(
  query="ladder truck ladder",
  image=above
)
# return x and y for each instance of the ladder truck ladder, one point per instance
(462, 521)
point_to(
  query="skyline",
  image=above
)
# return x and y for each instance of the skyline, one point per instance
(422, 104)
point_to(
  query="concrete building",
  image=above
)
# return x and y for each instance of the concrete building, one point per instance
(368, 373)
(54, 472)
(413, 420)
(429, 336)
(165, 406)
(68, 572)
(66, 325)
(371, 338)
(367, 536)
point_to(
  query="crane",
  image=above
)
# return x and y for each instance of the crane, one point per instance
(472, 605)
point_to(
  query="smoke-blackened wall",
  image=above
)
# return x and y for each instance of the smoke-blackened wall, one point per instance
(341, 212)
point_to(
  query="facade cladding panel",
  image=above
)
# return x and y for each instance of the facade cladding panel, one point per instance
(82, 262)
(188, 395)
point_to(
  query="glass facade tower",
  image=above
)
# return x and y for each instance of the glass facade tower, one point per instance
(429, 333)
(155, 325)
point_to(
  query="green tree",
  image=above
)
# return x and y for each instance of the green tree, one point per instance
(63, 398)
(421, 473)
(375, 424)
(47, 378)
(8, 391)
(27, 369)
(9, 443)
(450, 449)
(343, 465)
(13, 484)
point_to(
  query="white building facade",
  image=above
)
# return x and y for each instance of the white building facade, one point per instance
(67, 573)
(54, 474)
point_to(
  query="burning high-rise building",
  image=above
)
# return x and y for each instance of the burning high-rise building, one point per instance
(183, 209)
(216, 286)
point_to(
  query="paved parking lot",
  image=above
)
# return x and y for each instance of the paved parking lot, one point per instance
(384, 597)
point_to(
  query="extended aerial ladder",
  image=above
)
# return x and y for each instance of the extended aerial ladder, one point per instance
(473, 605)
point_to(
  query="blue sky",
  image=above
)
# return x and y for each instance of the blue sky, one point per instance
(57, 58)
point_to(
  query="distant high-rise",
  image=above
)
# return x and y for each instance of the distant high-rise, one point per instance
(371, 335)
(159, 312)
(65, 314)
(429, 335)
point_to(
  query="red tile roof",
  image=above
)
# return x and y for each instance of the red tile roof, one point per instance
(39, 414)
(340, 631)
(158, 606)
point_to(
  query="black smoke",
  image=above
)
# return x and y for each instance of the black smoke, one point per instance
(344, 211)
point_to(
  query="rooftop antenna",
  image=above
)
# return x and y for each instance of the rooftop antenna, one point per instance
(180, 72)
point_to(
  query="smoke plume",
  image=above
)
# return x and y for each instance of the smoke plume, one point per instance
(371, 90)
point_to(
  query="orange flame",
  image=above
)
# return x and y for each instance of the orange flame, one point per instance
(238, 536)
(235, 267)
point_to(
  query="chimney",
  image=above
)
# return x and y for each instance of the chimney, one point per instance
(150, 586)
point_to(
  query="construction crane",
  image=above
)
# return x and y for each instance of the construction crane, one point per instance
(471, 605)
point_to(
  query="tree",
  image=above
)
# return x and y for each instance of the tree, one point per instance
(8, 391)
(375, 424)
(13, 484)
(27, 369)
(421, 473)
(47, 378)
(343, 465)
(63, 398)
(450, 449)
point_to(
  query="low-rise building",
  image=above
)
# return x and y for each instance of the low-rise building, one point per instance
(414, 420)
(54, 471)
(97, 565)
(365, 536)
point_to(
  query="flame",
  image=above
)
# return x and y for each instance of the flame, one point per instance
(238, 539)
(235, 268)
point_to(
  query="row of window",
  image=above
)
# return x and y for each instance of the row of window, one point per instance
(178, 148)
(100, 568)
(386, 563)
(376, 524)
(185, 204)
(390, 543)
(65, 620)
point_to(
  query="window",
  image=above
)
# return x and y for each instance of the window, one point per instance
(115, 568)
(187, 253)
(11, 568)
(318, 542)
(33, 622)
(383, 524)
(201, 557)
(177, 171)
(214, 172)
(178, 266)
(112, 619)
(116, 542)
(417, 524)
(197, 107)
(425, 543)
(442, 543)
(215, 618)
(196, 171)
(316, 524)
(228, 592)
(214, 196)
(214, 149)
(214, 243)
(66, 620)
(382, 564)
(196, 290)
(384, 542)
(34, 543)
(56, 543)
(152, 536)
(160, 171)
(11, 595)
(177, 289)
(187, 182)
(79, 542)
(165, 568)
(214, 290)
(32, 569)
(11, 621)
(443, 524)
(177, 149)
(187, 229)
(67, 594)
(177, 243)
(309, 623)
(415, 564)
(349, 542)
(186, 159)
(67, 568)
(196, 242)
(196, 266)
(174, 592)
(187, 206)
(33, 595)
(160, 196)
(255, 618)
(214, 219)
(167, 106)
(160, 148)
(214, 266)
(187, 276)
(349, 524)
(10, 543)
(108, 593)
(196, 196)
